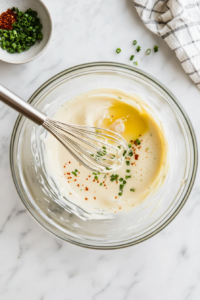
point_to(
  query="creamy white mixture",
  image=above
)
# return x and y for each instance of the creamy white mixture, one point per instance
(143, 170)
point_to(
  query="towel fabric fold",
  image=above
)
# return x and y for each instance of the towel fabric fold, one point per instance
(178, 23)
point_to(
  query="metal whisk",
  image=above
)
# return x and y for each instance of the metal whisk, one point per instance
(96, 148)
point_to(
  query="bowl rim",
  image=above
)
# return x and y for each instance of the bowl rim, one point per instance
(44, 48)
(183, 113)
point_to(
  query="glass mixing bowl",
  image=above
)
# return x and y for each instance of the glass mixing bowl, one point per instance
(124, 229)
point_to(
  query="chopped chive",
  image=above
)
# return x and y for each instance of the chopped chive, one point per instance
(128, 171)
(156, 48)
(103, 147)
(74, 173)
(128, 176)
(128, 162)
(138, 48)
(135, 63)
(108, 168)
(129, 145)
(137, 142)
(92, 154)
(124, 181)
(132, 190)
(119, 147)
(118, 50)
(121, 179)
(94, 173)
(121, 187)
(134, 42)
(130, 153)
(124, 153)
(148, 51)
(101, 184)
(120, 194)
(96, 177)
(76, 170)
(98, 173)
(132, 57)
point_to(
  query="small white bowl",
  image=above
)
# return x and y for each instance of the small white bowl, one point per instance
(39, 47)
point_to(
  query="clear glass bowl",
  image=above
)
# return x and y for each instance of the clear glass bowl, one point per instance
(124, 229)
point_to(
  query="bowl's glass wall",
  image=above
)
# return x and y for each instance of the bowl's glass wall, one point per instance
(141, 222)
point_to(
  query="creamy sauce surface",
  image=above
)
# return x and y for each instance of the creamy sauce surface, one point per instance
(144, 169)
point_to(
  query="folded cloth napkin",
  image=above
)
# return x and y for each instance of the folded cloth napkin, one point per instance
(178, 23)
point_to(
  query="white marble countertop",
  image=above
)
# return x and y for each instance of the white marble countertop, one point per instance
(36, 265)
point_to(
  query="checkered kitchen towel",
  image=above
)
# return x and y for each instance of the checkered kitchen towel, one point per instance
(178, 23)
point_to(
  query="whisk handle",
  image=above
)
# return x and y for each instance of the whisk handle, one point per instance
(21, 106)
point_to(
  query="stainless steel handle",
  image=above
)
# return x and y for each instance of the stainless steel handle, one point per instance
(21, 106)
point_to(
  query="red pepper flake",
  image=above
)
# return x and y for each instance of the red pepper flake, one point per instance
(115, 197)
(89, 176)
(94, 198)
(119, 207)
(132, 164)
(86, 198)
(79, 164)
(94, 180)
(136, 156)
(78, 185)
(82, 184)
(69, 162)
(70, 193)
(64, 166)
(86, 188)
(86, 178)
(97, 181)
(68, 181)
(68, 173)
(116, 182)
(104, 185)
(7, 19)
(74, 179)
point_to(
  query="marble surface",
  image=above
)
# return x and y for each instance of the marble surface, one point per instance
(36, 265)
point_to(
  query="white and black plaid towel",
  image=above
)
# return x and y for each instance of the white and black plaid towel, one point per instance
(178, 23)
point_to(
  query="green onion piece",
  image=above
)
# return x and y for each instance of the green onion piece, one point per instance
(124, 181)
(98, 173)
(103, 147)
(156, 48)
(94, 173)
(129, 145)
(74, 173)
(120, 194)
(137, 142)
(127, 162)
(118, 50)
(96, 177)
(121, 187)
(128, 171)
(135, 63)
(76, 170)
(148, 51)
(132, 57)
(134, 42)
(101, 184)
(121, 179)
(138, 48)
(124, 153)
(132, 190)
(128, 176)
